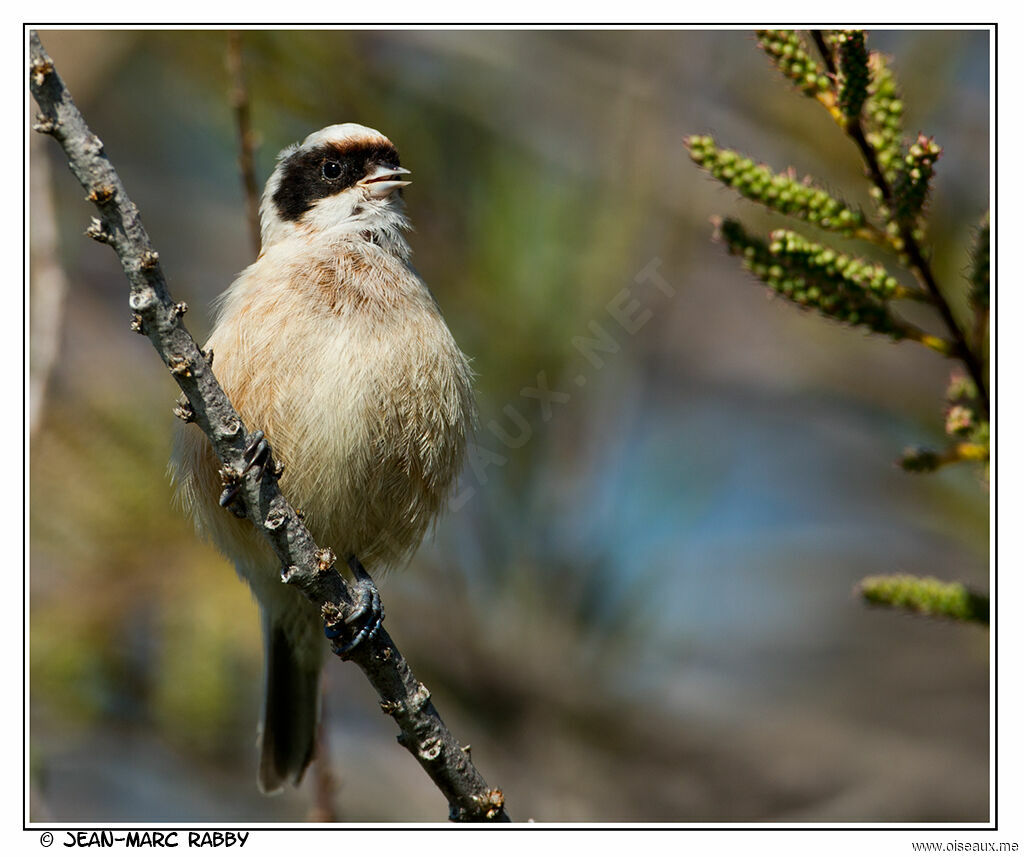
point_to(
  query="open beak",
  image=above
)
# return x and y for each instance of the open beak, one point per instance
(384, 180)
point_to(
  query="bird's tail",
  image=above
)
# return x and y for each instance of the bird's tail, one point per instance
(291, 708)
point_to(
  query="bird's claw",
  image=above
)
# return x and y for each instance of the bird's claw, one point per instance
(229, 494)
(256, 455)
(363, 621)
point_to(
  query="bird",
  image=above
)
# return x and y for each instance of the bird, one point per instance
(334, 348)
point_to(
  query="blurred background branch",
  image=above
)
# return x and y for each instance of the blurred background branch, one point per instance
(246, 136)
(48, 287)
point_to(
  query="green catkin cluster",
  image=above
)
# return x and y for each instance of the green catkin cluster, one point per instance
(795, 278)
(960, 420)
(846, 271)
(913, 179)
(980, 269)
(853, 74)
(965, 424)
(778, 191)
(926, 595)
(883, 116)
(790, 56)
(964, 420)
(961, 398)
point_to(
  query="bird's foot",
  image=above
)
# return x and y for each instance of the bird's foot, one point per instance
(229, 498)
(256, 455)
(363, 619)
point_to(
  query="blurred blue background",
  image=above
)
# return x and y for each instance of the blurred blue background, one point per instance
(641, 606)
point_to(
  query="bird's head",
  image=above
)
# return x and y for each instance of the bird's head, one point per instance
(341, 180)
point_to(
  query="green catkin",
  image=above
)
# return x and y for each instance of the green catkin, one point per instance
(883, 116)
(792, 267)
(913, 180)
(926, 595)
(780, 192)
(853, 75)
(788, 52)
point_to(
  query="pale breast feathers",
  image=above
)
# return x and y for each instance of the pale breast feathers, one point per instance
(364, 396)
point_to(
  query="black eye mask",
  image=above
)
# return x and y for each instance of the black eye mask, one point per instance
(324, 171)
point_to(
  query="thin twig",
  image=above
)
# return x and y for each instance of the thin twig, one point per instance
(246, 137)
(921, 268)
(305, 564)
(916, 258)
(825, 51)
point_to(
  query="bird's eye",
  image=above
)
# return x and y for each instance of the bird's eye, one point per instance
(330, 170)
